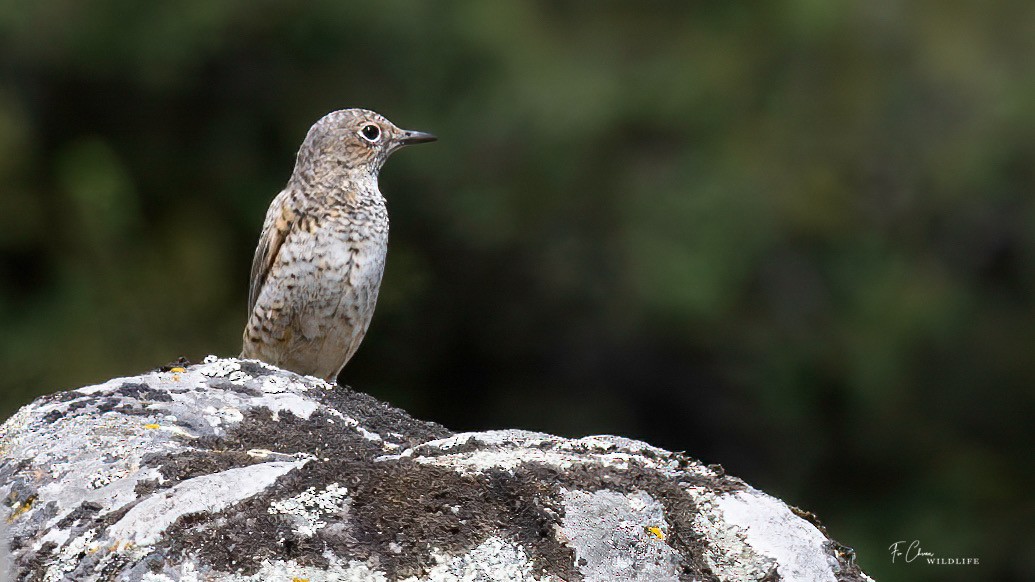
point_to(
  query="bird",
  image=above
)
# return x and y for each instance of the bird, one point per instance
(318, 264)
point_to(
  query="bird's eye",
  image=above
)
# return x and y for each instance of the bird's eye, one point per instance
(371, 133)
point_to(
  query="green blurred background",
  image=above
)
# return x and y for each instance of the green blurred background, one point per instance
(796, 238)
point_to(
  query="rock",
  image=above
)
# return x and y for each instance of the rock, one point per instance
(233, 470)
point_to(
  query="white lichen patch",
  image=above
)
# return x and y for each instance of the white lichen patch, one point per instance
(310, 509)
(107, 476)
(477, 462)
(509, 449)
(228, 364)
(92, 459)
(274, 384)
(14, 430)
(610, 443)
(146, 521)
(494, 560)
(56, 536)
(214, 367)
(274, 571)
(300, 406)
(279, 393)
(68, 557)
(225, 414)
(369, 435)
(749, 533)
(615, 536)
(183, 573)
(238, 377)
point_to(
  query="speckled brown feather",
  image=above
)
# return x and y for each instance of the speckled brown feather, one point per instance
(279, 219)
(318, 265)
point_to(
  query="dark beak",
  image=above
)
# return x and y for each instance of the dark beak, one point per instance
(412, 137)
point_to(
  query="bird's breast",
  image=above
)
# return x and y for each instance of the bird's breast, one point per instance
(338, 255)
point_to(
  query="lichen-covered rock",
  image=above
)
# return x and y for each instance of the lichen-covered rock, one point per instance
(234, 470)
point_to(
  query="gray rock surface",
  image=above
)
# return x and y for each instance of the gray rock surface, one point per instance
(233, 470)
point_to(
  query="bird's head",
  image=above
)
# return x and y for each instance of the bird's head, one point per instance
(355, 141)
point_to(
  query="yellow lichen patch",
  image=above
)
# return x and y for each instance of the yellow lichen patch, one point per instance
(177, 370)
(121, 545)
(20, 508)
(656, 532)
(152, 426)
(300, 580)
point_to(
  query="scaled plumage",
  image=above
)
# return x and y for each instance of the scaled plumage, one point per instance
(318, 265)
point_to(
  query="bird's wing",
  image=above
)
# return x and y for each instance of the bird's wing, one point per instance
(278, 223)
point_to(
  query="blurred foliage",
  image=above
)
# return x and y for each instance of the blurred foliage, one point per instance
(796, 237)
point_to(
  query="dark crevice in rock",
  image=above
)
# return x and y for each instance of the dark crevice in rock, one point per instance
(188, 464)
(257, 370)
(380, 417)
(143, 392)
(223, 384)
(86, 510)
(107, 404)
